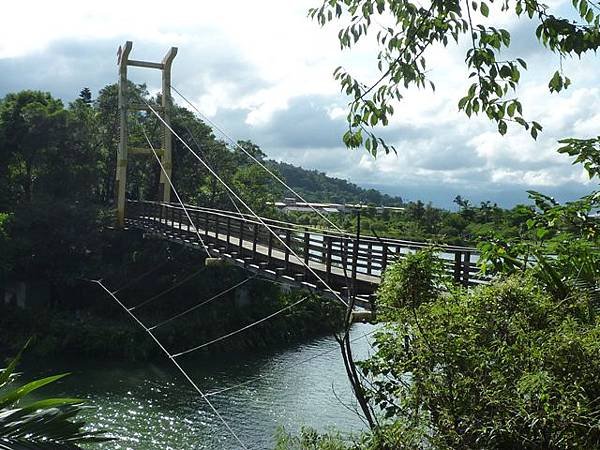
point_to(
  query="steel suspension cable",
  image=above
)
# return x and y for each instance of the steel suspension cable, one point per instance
(169, 289)
(172, 358)
(197, 144)
(191, 222)
(189, 310)
(237, 197)
(233, 333)
(344, 259)
(283, 183)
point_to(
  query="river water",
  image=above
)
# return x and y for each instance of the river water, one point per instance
(150, 406)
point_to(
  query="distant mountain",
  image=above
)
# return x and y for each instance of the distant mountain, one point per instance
(315, 186)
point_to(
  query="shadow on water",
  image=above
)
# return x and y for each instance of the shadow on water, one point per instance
(150, 406)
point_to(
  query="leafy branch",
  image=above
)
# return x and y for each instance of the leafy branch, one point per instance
(402, 56)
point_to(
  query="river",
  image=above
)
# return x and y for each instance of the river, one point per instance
(150, 406)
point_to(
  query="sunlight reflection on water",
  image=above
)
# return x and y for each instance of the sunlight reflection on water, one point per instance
(149, 406)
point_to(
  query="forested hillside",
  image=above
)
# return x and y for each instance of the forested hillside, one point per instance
(57, 171)
(318, 187)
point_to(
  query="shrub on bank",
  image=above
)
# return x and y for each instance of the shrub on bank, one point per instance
(87, 333)
(503, 366)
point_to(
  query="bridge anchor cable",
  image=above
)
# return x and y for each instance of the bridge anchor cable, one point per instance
(177, 365)
(214, 297)
(233, 333)
(169, 289)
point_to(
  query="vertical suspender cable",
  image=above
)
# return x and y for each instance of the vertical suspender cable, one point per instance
(237, 197)
(283, 183)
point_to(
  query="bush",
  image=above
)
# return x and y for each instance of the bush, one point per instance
(415, 279)
(503, 366)
(310, 439)
(48, 423)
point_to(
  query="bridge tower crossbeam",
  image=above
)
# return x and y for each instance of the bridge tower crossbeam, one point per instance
(125, 105)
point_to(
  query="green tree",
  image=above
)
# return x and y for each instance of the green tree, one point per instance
(402, 55)
(106, 135)
(191, 176)
(250, 148)
(416, 211)
(32, 128)
(504, 366)
(257, 189)
(85, 96)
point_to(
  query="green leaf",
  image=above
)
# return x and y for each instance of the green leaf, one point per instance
(502, 127)
(52, 403)
(556, 83)
(589, 17)
(484, 9)
(17, 394)
(541, 232)
(583, 8)
(511, 109)
(10, 369)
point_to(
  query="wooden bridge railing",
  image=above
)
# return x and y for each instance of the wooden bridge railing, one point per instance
(247, 237)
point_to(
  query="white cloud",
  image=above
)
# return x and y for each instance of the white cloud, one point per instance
(263, 69)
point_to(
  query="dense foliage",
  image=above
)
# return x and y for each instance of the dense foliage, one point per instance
(56, 198)
(418, 221)
(57, 169)
(508, 365)
(505, 365)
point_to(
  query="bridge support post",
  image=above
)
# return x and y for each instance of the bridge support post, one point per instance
(164, 190)
(121, 175)
(125, 105)
(466, 268)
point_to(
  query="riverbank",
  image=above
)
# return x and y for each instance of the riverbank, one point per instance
(82, 320)
(85, 333)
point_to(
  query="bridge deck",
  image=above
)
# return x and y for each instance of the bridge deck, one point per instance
(347, 266)
(293, 275)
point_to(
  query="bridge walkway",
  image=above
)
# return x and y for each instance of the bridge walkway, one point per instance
(346, 266)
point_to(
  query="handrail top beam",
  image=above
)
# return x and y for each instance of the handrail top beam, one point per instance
(412, 245)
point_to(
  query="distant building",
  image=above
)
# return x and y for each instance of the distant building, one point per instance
(292, 205)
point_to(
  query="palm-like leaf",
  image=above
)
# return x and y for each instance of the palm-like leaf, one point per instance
(45, 424)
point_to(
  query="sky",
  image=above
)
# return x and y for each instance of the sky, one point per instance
(262, 70)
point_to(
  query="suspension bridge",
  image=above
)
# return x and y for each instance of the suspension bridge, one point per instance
(329, 261)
